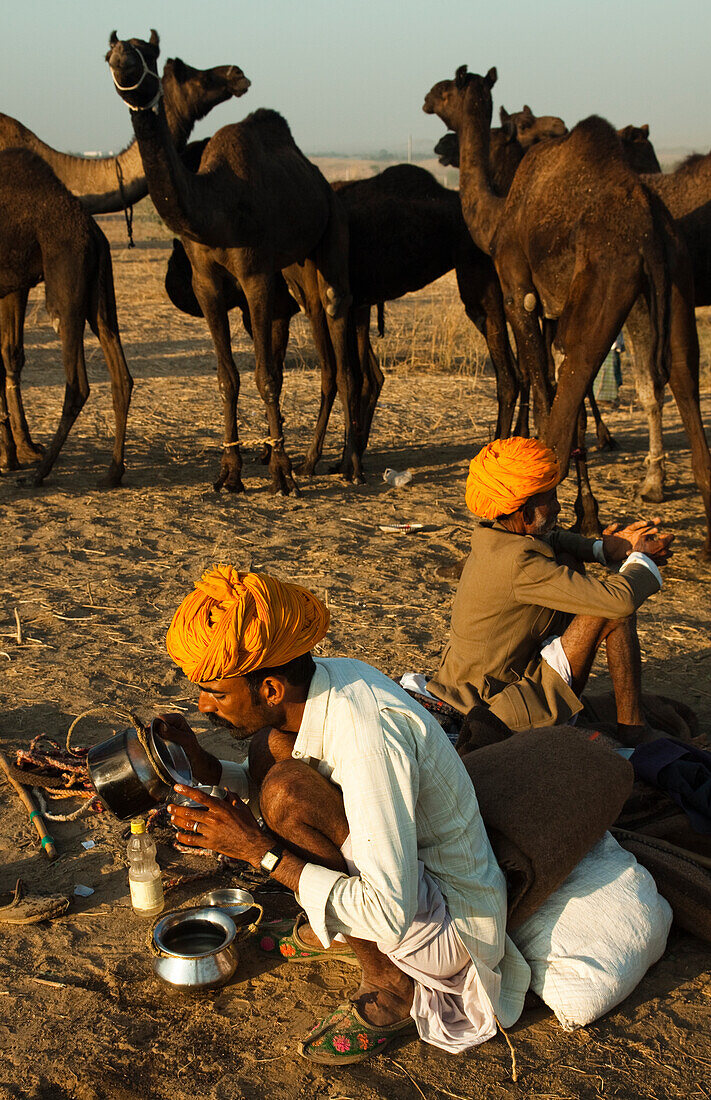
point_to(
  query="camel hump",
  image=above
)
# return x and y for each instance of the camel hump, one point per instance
(272, 126)
(597, 136)
(24, 167)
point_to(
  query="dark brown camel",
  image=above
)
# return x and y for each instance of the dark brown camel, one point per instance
(189, 94)
(45, 234)
(257, 206)
(577, 240)
(405, 231)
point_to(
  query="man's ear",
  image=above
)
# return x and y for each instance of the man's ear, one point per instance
(272, 691)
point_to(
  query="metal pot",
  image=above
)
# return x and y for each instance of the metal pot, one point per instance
(194, 949)
(124, 777)
(240, 905)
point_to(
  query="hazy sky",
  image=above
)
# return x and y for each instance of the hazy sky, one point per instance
(351, 77)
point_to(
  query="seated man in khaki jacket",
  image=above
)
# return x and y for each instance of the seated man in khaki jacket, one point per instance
(526, 621)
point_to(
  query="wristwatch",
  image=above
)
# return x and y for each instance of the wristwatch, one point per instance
(271, 859)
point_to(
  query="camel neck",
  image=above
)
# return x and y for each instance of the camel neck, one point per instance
(190, 204)
(481, 206)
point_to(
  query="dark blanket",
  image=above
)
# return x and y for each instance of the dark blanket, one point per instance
(683, 771)
(546, 797)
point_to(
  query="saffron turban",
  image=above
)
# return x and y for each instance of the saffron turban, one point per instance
(236, 622)
(506, 473)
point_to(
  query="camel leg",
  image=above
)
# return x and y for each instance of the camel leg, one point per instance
(259, 290)
(605, 442)
(586, 510)
(324, 349)
(372, 375)
(76, 390)
(650, 391)
(531, 354)
(596, 309)
(341, 330)
(208, 291)
(104, 323)
(8, 453)
(12, 323)
(480, 291)
(684, 383)
(280, 340)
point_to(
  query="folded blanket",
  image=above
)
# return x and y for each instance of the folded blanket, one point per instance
(546, 797)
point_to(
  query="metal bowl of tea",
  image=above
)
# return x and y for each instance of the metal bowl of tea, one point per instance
(238, 903)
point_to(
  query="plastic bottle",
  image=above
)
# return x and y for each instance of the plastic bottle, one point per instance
(398, 478)
(143, 872)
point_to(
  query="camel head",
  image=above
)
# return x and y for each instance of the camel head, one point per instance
(196, 91)
(530, 129)
(467, 94)
(637, 148)
(447, 149)
(134, 67)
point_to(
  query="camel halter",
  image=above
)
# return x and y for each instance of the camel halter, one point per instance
(132, 87)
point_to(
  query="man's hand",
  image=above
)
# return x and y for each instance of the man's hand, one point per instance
(643, 536)
(205, 767)
(224, 825)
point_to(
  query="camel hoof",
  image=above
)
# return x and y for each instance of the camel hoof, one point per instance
(305, 469)
(230, 483)
(608, 444)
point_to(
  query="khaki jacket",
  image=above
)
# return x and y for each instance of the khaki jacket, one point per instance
(512, 596)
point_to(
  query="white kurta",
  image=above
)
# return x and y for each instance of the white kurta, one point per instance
(409, 801)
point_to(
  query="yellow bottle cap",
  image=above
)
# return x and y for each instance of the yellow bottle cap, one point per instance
(138, 825)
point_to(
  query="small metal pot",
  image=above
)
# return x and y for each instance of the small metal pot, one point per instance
(240, 905)
(124, 777)
(194, 949)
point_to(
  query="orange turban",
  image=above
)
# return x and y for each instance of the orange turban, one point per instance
(506, 473)
(235, 622)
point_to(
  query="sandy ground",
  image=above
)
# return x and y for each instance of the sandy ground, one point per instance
(95, 576)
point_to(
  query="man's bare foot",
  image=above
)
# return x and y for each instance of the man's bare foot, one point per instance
(382, 1007)
(309, 937)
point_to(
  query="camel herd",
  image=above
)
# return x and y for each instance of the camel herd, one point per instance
(557, 238)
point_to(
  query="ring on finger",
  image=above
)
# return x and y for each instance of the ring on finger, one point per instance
(195, 825)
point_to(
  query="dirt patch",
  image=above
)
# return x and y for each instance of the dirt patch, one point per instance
(95, 577)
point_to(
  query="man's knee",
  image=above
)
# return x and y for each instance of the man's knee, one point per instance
(286, 792)
(267, 747)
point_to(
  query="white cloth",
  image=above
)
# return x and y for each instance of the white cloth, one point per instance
(449, 1006)
(407, 798)
(554, 655)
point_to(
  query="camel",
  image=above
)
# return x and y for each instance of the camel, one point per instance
(107, 184)
(578, 240)
(405, 231)
(257, 206)
(45, 234)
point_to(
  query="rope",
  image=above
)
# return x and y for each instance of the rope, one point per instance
(127, 207)
(100, 709)
(84, 809)
(269, 442)
(149, 749)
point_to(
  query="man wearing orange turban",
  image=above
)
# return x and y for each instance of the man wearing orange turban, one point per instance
(370, 818)
(526, 620)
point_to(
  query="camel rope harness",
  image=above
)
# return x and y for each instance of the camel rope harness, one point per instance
(132, 87)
